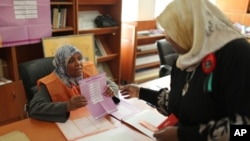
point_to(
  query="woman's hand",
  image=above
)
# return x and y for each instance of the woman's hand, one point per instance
(109, 91)
(76, 102)
(130, 90)
(167, 134)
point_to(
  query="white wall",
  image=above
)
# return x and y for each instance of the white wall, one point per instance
(160, 6)
(146, 10)
(130, 10)
(134, 10)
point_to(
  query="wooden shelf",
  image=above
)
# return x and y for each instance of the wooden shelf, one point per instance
(153, 64)
(13, 95)
(97, 2)
(100, 31)
(153, 51)
(110, 37)
(61, 2)
(130, 42)
(70, 28)
(63, 29)
(107, 58)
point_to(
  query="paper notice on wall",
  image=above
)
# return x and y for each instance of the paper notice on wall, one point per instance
(24, 21)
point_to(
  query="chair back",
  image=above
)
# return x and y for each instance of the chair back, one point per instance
(33, 70)
(167, 56)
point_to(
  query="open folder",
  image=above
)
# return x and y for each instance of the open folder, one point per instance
(78, 128)
(153, 118)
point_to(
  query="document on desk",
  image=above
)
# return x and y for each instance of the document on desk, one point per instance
(153, 118)
(81, 127)
(125, 109)
(93, 88)
(109, 135)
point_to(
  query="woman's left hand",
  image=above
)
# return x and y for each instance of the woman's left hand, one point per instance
(167, 134)
(109, 91)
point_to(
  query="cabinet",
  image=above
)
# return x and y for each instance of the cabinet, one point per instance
(139, 65)
(110, 37)
(12, 102)
(12, 95)
(236, 11)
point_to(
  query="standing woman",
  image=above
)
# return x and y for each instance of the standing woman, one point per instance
(210, 80)
(59, 92)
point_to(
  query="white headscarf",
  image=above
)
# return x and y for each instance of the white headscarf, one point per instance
(62, 56)
(198, 26)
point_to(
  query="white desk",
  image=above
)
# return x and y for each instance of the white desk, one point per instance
(158, 83)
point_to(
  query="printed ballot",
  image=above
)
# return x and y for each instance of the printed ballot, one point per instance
(93, 89)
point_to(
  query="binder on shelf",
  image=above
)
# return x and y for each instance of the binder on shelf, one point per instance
(100, 47)
(104, 68)
(98, 52)
(59, 16)
(55, 17)
(63, 17)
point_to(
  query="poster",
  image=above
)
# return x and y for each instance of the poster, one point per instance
(24, 22)
(84, 42)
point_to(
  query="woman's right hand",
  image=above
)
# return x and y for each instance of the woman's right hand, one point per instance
(76, 102)
(130, 90)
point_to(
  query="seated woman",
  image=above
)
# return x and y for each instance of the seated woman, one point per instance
(59, 92)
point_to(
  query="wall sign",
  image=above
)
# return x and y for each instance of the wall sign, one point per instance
(24, 21)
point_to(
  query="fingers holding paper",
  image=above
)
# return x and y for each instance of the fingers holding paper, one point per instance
(109, 91)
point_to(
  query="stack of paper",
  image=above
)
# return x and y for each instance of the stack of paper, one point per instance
(81, 127)
(110, 135)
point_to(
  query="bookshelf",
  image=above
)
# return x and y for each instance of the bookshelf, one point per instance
(70, 24)
(139, 54)
(13, 94)
(109, 37)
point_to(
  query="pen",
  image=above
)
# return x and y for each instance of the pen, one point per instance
(151, 105)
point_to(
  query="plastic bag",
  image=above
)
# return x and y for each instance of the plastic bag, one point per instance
(105, 21)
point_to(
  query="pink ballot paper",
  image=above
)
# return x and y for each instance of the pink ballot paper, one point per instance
(93, 88)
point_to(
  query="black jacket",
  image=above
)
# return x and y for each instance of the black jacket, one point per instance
(201, 112)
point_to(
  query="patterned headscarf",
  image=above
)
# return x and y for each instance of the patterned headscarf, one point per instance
(197, 26)
(61, 59)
